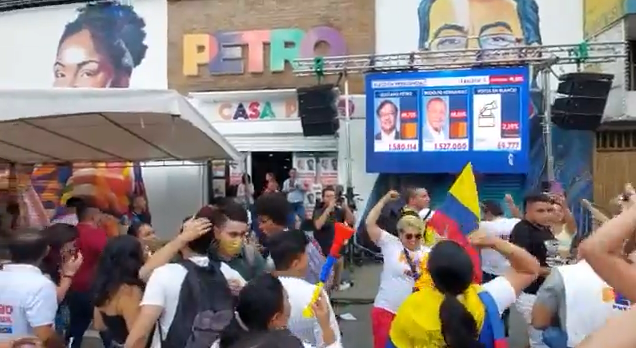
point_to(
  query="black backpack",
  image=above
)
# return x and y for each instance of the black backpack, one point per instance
(206, 307)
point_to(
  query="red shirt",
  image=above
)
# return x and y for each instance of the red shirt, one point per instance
(91, 241)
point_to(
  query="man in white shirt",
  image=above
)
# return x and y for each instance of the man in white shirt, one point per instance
(435, 128)
(495, 224)
(28, 299)
(418, 200)
(161, 296)
(288, 251)
(493, 264)
(387, 114)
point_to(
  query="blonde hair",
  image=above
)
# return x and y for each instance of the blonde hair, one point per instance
(414, 222)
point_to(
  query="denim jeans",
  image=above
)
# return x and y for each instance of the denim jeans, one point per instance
(554, 337)
(299, 210)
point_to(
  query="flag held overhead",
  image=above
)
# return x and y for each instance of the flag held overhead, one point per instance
(459, 215)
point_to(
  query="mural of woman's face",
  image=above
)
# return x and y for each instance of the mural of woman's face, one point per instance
(461, 24)
(80, 63)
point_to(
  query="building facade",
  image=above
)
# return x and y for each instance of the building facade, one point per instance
(615, 145)
(235, 61)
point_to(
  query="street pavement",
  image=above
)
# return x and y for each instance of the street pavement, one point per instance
(357, 333)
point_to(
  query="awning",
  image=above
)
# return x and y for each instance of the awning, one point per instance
(62, 125)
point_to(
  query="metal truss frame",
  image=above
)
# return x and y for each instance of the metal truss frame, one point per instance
(466, 58)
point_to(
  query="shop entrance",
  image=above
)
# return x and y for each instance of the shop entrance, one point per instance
(278, 163)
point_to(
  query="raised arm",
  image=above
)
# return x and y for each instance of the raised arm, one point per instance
(512, 207)
(596, 214)
(192, 229)
(603, 250)
(374, 231)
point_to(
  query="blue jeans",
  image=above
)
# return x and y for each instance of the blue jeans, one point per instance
(554, 337)
(299, 210)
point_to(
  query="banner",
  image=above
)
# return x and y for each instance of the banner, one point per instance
(328, 171)
(306, 171)
(218, 168)
(236, 172)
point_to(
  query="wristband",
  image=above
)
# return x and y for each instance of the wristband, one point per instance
(67, 276)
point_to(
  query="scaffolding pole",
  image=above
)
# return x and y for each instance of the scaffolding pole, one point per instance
(540, 59)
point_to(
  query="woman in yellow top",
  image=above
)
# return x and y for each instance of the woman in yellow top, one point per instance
(450, 311)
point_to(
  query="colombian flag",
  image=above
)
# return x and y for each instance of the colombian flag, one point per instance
(459, 215)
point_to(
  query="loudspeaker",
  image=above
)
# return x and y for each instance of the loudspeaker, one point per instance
(582, 100)
(318, 110)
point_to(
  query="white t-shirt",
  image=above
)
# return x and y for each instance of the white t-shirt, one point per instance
(307, 329)
(491, 261)
(396, 281)
(424, 212)
(28, 299)
(164, 286)
(502, 292)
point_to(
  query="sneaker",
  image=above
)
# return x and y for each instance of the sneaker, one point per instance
(344, 286)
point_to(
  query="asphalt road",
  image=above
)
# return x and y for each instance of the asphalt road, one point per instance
(357, 333)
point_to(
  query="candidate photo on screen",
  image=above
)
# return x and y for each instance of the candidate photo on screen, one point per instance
(436, 119)
(387, 122)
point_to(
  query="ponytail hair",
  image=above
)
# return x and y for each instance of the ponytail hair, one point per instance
(451, 271)
(459, 328)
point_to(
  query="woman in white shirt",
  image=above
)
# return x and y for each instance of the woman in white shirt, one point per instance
(449, 310)
(401, 256)
(261, 317)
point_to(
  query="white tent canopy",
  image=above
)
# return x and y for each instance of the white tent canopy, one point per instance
(61, 125)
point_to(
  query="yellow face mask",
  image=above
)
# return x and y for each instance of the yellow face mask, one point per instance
(231, 247)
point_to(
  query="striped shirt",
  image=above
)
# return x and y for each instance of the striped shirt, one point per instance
(306, 329)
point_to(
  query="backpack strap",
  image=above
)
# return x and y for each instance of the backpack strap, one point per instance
(250, 254)
(493, 333)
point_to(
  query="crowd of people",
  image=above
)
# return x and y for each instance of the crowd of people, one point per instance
(212, 285)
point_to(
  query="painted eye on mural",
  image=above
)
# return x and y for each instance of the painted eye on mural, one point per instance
(497, 40)
(449, 43)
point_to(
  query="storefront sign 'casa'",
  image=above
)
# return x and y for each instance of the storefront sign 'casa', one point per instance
(276, 109)
(258, 110)
(222, 51)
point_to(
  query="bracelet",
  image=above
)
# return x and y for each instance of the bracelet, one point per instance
(67, 276)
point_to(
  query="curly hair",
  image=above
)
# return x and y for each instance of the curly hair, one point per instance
(118, 265)
(117, 31)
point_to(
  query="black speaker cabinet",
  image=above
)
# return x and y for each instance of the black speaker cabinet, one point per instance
(318, 110)
(581, 101)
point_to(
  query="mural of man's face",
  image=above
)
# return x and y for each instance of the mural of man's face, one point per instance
(461, 24)
(436, 114)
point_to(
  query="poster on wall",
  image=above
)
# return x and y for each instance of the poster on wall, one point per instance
(306, 170)
(328, 171)
(218, 168)
(236, 172)
(94, 45)
(218, 187)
